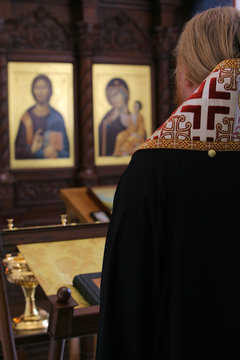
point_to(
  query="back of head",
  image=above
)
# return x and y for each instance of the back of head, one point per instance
(207, 39)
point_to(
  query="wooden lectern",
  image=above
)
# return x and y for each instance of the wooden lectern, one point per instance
(81, 201)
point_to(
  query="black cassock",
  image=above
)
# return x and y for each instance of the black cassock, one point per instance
(171, 274)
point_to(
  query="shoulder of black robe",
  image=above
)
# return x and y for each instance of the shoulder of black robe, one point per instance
(170, 279)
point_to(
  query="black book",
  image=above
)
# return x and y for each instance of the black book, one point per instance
(89, 286)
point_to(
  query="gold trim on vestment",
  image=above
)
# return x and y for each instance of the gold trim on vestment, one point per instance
(230, 63)
(189, 145)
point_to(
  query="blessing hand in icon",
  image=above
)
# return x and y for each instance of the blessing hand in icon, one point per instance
(37, 141)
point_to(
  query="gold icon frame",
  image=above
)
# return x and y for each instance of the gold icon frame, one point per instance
(20, 77)
(138, 79)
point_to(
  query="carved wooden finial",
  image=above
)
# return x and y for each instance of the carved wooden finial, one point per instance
(63, 294)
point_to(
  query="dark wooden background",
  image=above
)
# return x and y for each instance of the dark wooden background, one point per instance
(81, 32)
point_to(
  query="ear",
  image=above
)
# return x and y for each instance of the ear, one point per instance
(190, 85)
(185, 87)
(189, 88)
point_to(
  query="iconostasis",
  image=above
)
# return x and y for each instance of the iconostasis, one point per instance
(82, 85)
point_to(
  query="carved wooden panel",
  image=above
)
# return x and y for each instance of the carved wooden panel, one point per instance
(121, 34)
(39, 191)
(39, 29)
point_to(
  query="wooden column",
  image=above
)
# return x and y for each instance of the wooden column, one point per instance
(86, 36)
(6, 178)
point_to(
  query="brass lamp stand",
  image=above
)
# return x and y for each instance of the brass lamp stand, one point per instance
(18, 272)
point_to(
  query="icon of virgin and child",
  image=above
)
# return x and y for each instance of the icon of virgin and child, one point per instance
(120, 131)
(42, 132)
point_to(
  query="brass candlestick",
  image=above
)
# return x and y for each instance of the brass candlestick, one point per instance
(10, 224)
(64, 219)
(18, 272)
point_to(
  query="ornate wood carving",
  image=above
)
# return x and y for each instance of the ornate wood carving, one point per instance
(86, 38)
(41, 191)
(40, 30)
(121, 34)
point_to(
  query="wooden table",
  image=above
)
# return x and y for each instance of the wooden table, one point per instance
(84, 321)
